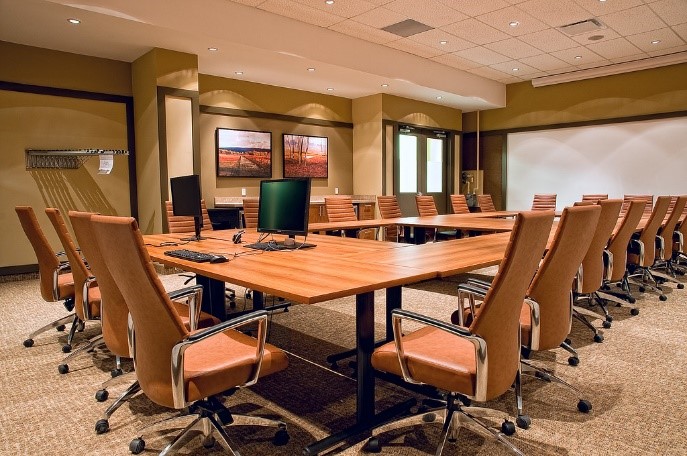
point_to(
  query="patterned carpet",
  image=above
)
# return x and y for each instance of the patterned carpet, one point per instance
(636, 380)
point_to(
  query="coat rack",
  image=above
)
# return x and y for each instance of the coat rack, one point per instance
(64, 158)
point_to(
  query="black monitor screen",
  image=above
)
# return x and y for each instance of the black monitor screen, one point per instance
(284, 206)
(186, 199)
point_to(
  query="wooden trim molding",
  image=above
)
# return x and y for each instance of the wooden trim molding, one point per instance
(230, 112)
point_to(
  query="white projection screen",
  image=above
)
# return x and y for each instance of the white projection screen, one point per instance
(644, 157)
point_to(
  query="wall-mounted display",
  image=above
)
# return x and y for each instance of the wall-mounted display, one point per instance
(305, 156)
(243, 153)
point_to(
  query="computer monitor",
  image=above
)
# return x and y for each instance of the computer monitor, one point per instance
(284, 206)
(186, 201)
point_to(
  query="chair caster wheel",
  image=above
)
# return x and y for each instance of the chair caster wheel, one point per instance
(609, 318)
(523, 421)
(663, 298)
(606, 324)
(208, 442)
(584, 406)
(525, 352)
(429, 417)
(60, 328)
(116, 373)
(66, 348)
(642, 289)
(598, 338)
(137, 445)
(28, 343)
(63, 369)
(232, 304)
(102, 426)
(634, 311)
(372, 445)
(568, 341)
(101, 395)
(281, 437)
(507, 427)
(573, 360)
(680, 286)
(631, 300)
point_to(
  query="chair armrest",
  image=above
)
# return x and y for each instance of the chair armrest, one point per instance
(535, 323)
(608, 264)
(87, 285)
(679, 238)
(480, 345)
(467, 290)
(179, 349)
(479, 283)
(660, 247)
(60, 269)
(637, 247)
(194, 295)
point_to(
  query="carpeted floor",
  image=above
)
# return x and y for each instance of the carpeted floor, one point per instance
(636, 380)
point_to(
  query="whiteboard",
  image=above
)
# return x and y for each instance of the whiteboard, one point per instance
(644, 157)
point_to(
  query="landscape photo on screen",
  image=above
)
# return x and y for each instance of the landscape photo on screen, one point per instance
(305, 156)
(244, 153)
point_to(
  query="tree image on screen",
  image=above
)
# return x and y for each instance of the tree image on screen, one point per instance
(305, 156)
(243, 153)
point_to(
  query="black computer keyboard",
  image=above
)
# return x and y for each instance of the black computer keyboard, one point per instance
(191, 255)
(272, 245)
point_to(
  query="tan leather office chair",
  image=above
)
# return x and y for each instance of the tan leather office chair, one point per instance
(642, 251)
(679, 253)
(649, 199)
(178, 368)
(479, 362)
(426, 207)
(114, 312)
(544, 202)
(56, 281)
(184, 224)
(459, 204)
(86, 291)
(389, 208)
(663, 267)
(485, 203)
(594, 197)
(340, 209)
(251, 207)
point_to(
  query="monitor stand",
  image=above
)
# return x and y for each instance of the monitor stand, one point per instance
(197, 225)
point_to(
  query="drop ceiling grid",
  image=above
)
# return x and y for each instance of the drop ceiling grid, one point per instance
(673, 12)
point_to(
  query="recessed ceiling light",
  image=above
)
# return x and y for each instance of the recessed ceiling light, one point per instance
(439, 97)
(311, 69)
(238, 72)
(443, 42)
(516, 69)
(330, 89)
(329, 2)
(514, 23)
(212, 49)
(578, 57)
(655, 41)
(74, 21)
(602, 1)
(385, 85)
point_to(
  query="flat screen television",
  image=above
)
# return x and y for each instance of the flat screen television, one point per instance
(186, 201)
(284, 206)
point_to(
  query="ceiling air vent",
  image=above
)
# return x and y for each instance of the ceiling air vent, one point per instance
(578, 28)
(407, 28)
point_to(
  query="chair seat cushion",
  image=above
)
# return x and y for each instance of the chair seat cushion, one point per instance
(204, 321)
(434, 357)
(94, 301)
(224, 361)
(65, 285)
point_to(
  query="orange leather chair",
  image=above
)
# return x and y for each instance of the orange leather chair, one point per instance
(594, 197)
(56, 281)
(479, 362)
(649, 199)
(679, 253)
(340, 209)
(544, 202)
(114, 312)
(459, 204)
(426, 207)
(185, 224)
(485, 203)
(389, 208)
(664, 252)
(251, 207)
(177, 368)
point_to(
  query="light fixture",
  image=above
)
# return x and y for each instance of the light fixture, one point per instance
(607, 70)
(239, 73)
(212, 49)
(311, 69)
(516, 69)
(74, 21)
(439, 97)
(329, 2)
(385, 85)
(655, 41)
(578, 57)
(443, 42)
(514, 23)
(330, 89)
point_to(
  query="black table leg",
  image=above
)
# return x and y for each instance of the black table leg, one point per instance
(394, 299)
(213, 297)
(365, 339)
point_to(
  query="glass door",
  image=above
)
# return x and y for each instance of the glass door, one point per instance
(420, 167)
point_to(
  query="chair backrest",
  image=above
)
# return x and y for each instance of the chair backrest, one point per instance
(459, 204)
(339, 209)
(672, 218)
(544, 202)
(485, 203)
(426, 206)
(619, 241)
(498, 321)
(648, 235)
(552, 284)
(157, 325)
(48, 263)
(594, 196)
(649, 203)
(251, 206)
(592, 264)
(389, 208)
(80, 272)
(114, 313)
(184, 224)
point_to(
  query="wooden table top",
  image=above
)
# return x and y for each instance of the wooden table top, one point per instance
(458, 221)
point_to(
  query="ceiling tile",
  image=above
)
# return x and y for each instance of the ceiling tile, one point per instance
(429, 12)
(614, 49)
(454, 61)
(482, 55)
(475, 7)
(667, 51)
(666, 36)
(508, 68)
(509, 80)
(475, 31)
(673, 12)
(488, 72)
(549, 40)
(349, 8)
(568, 55)
(301, 12)
(380, 17)
(681, 30)
(413, 47)
(545, 62)
(502, 18)
(630, 58)
(555, 14)
(632, 21)
(364, 32)
(513, 48)
(598, 8)
(433, 38)
(606, 34)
